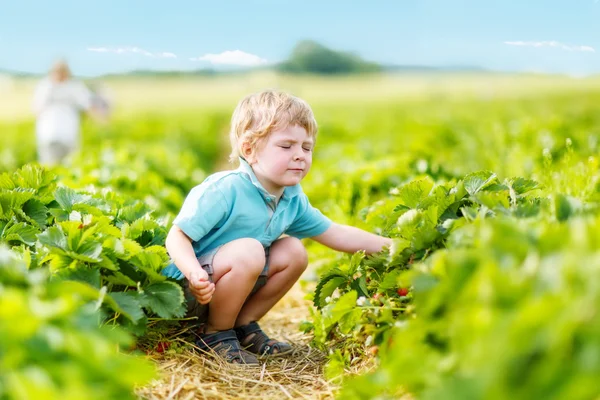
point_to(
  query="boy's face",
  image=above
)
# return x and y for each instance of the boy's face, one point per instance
(283, 159)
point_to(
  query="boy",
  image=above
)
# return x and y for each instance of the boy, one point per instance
(226, 243)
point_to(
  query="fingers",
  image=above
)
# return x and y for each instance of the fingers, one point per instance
(204, 297)
(199, 280)
(203, 294)
(200, 284)
(201, 287)
(203, 291)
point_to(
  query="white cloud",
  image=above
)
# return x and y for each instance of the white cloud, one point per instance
(235, 57)
(552, 43)
(134, 50)
(166, 55)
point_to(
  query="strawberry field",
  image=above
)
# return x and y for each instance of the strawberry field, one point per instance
(489, 187)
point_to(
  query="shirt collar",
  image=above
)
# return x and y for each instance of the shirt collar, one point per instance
(288, 191)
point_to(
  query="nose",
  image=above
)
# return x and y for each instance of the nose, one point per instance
(299, 155)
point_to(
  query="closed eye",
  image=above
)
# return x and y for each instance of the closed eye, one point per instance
(286, 147)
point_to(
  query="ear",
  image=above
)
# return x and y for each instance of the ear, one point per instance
(248, 152)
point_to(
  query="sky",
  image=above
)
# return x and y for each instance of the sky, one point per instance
(552, 36)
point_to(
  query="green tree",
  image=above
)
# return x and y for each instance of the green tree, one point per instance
(311, 57)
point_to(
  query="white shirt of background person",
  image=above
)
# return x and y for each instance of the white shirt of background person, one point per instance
(58, 106)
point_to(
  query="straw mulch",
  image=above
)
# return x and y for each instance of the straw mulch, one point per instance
(192, 375)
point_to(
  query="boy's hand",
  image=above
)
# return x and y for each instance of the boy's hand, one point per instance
(200, 286)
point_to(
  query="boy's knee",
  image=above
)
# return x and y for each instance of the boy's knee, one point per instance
(297, 252)
(250, 256)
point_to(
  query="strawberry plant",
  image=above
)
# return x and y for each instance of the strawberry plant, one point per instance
(364, 298)
(111, 244)
(51, 343)
(512, 314)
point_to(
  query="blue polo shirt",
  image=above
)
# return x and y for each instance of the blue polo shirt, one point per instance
(233, 204)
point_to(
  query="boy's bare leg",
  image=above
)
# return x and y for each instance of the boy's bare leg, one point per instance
(236, 267)
(287, 262)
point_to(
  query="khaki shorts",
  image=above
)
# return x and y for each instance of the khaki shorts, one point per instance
(200, 311)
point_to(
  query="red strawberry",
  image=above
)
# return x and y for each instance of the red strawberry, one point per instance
(161, 347)
(402, 291)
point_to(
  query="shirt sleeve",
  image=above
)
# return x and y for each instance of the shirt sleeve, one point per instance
(41, 96)
(83, 96)
(204, 208)
(309, 222)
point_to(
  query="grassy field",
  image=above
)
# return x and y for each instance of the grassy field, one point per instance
(488, 183)
(171, 95)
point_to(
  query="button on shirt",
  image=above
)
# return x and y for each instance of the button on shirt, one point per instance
(232, 205)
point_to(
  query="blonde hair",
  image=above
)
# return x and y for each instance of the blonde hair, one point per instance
(259, 114)
(61, 69)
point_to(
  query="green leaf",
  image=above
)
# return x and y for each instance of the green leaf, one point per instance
(496, 187)
(396, 249)
(563, 207)
(478, 180)
(88, 252)
(131, 248)
(80, 287)
(91, 276)
(350, 321)
(107, 263)
(138, 328)
(470, 213)
(13, 200)
(416, 191)
(134, 212)
(6, 182)
(493, 200)
(59, 215)
(360, 285)
(389, 280)
(439, 198)
(424, 236)
(326, 287)
(522, 185)
(150, 263)
(20, 232)
(127, 304)
(67, 198)
(37, 211)
(53, 237)
(527, 209)
(57, 261)
(355, 261)
(34, 177)
(345, 304)
(118, 278)
(12, 270)
(164, 299)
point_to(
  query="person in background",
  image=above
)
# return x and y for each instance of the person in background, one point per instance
(59, 100)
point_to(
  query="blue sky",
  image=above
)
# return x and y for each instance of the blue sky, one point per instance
(121, 35)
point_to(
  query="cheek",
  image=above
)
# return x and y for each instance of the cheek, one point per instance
(280, 161)
(308, 163)
(308, 159)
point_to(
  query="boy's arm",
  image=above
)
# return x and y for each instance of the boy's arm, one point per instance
(179, 246)
(181, 251)
(351, 239)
